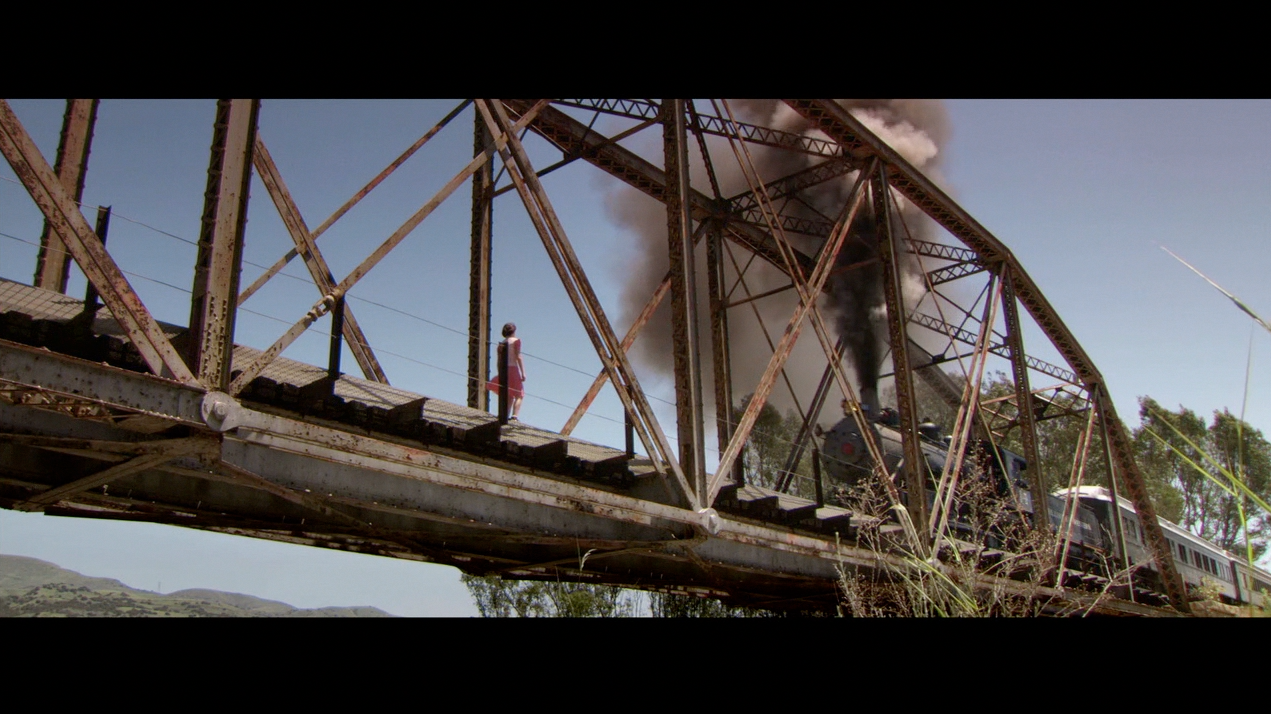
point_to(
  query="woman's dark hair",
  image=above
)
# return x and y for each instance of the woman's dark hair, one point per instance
(509, 329)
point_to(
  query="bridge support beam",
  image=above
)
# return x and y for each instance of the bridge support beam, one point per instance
(343, 323)
(53, 265)
(213, 303)
(86, 248)
(1024, 401)
(588, 307)
(687, 360)
(479, 275)
(914, 467)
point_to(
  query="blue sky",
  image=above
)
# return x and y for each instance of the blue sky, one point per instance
(1083, 193)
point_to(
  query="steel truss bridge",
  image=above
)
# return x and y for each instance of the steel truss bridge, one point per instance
(107, 413)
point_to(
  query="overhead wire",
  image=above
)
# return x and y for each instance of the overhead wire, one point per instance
(404, 313)
(320, 333)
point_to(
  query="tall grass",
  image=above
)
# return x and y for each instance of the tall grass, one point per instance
(1232, 482)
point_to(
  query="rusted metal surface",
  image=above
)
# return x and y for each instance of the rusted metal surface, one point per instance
(479, 274)
(313, 260)
(914, 467)
(1071, 502)
(102, 229)
(323, 306)
(1132, 482)
(100, 269)
(1024, 401)
(750, 133)
(684, 338)
(591, 314)
(721, 359)
(810, 419)
(158, 452)
(1001, 349)
(407, 476)
(321, 483)
(220, 259)
(53, 264)
(836, 122)
(1118, 527)
(828, 255)
(574, 137)
(632, 333)
(379, 178)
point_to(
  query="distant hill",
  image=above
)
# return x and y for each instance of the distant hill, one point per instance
(34, 588)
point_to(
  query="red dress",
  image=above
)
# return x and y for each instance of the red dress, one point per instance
(515, 378)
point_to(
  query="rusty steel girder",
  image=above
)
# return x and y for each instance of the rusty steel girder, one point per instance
(857, 141)
(53, 265)
(99, 268)
(213, 308)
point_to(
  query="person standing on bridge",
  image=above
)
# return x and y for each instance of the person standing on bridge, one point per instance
(516, 369)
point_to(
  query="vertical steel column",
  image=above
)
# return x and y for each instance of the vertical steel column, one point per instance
(1118, 529)
(53, 265)
(479, 275)
(1024, 398)
(505, 369)
(720, 356)
(1119, 442)
(213, 303)
(914, 468)
(103, 227)
(688, 368)
(337, 341)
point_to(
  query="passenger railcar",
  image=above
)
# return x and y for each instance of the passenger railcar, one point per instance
(1198, 561)
(845, 461)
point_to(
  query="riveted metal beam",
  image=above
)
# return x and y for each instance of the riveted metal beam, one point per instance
(158, 452)
(324, 305)
(1024, 402)
(914, 466)
(479, 274)
(588, 307)
(838, 124)
(53, 264)
(786, 345)
(63, 213)
(684, 341)
(362, 193)
(313, 260)
(213, 307)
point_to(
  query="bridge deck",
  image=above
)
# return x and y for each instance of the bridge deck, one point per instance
(371, 468)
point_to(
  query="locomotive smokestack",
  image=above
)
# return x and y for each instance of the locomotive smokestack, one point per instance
(869, 401)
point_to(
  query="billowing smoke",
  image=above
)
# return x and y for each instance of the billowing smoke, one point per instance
(914, 128)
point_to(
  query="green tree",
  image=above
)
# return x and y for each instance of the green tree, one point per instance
(668, 605)
(768, 448)
(496, 597)
(1205, 507)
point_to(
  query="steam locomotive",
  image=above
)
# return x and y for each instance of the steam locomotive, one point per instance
(999, 473)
